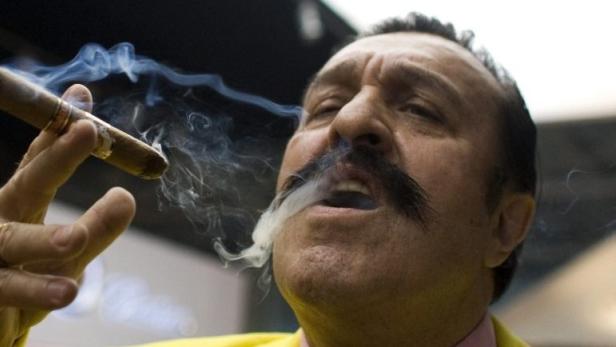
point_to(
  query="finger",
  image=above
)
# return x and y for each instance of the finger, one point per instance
(104, 222)
(31, 291)
(77, 95)
(22, 244)
(43, 140)
(32, 188)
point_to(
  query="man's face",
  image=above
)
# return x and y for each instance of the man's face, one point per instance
(429, 107)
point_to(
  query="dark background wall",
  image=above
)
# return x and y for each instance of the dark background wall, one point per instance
(256, 46)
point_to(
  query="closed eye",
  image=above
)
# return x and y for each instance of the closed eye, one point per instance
(325, 111)
(421, 111)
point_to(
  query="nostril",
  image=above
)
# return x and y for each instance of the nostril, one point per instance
(368, 139)
(374, 139)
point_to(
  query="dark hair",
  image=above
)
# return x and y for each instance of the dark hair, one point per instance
(518, 132)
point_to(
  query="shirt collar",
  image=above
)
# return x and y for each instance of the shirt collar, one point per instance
(481, 336)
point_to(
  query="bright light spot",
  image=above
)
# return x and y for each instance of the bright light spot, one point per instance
(309, 18)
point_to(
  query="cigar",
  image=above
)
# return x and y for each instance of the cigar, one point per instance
(40, 108)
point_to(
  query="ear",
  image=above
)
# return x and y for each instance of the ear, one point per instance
(514, 217)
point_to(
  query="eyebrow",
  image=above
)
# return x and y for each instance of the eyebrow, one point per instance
(412, 73)
(332, 76)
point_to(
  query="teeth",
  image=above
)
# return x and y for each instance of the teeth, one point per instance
(351, 186)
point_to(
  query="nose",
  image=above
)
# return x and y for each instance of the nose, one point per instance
(362, 121)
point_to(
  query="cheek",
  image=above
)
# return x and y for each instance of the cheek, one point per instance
(301, 148)
(453, 173)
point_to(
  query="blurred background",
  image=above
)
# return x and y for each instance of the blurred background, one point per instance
(161, 279)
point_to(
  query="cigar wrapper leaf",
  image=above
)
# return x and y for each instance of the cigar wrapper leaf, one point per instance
(43, 110)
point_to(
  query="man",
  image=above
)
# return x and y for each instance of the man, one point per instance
(368, 266)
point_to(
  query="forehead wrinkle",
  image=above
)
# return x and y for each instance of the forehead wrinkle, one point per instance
(344, 64)
(344, 72)
(333, 75)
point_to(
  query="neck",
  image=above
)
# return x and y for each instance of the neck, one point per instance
(392, 323)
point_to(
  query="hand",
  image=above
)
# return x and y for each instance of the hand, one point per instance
(39, 264)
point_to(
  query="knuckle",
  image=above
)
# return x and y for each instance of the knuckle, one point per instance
(79, 228)
(7, 279)
(79, 234)
(64, 240)
(7, 235)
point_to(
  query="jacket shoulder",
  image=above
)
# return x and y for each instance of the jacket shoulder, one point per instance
(504, 337)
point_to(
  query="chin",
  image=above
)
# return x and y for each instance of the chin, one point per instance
(323, 275)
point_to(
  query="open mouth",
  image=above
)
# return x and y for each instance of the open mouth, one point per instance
(350, 194)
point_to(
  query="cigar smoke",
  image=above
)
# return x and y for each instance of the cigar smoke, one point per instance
(302, 189)
(314, 184)
(166, 109)
(271, 220)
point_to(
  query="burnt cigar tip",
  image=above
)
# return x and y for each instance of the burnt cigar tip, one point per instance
(155, 167)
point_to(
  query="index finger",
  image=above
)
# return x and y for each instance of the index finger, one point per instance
(77, 95)
(31, 189)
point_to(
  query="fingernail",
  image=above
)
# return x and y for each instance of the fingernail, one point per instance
(57, 292)
(62, 236)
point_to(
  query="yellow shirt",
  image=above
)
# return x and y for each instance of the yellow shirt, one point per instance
(243, 340)
(504, 338)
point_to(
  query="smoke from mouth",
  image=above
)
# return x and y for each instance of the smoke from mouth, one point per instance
(402, 191)
(312, 184)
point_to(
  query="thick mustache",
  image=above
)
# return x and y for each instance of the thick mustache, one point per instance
(403, 191)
